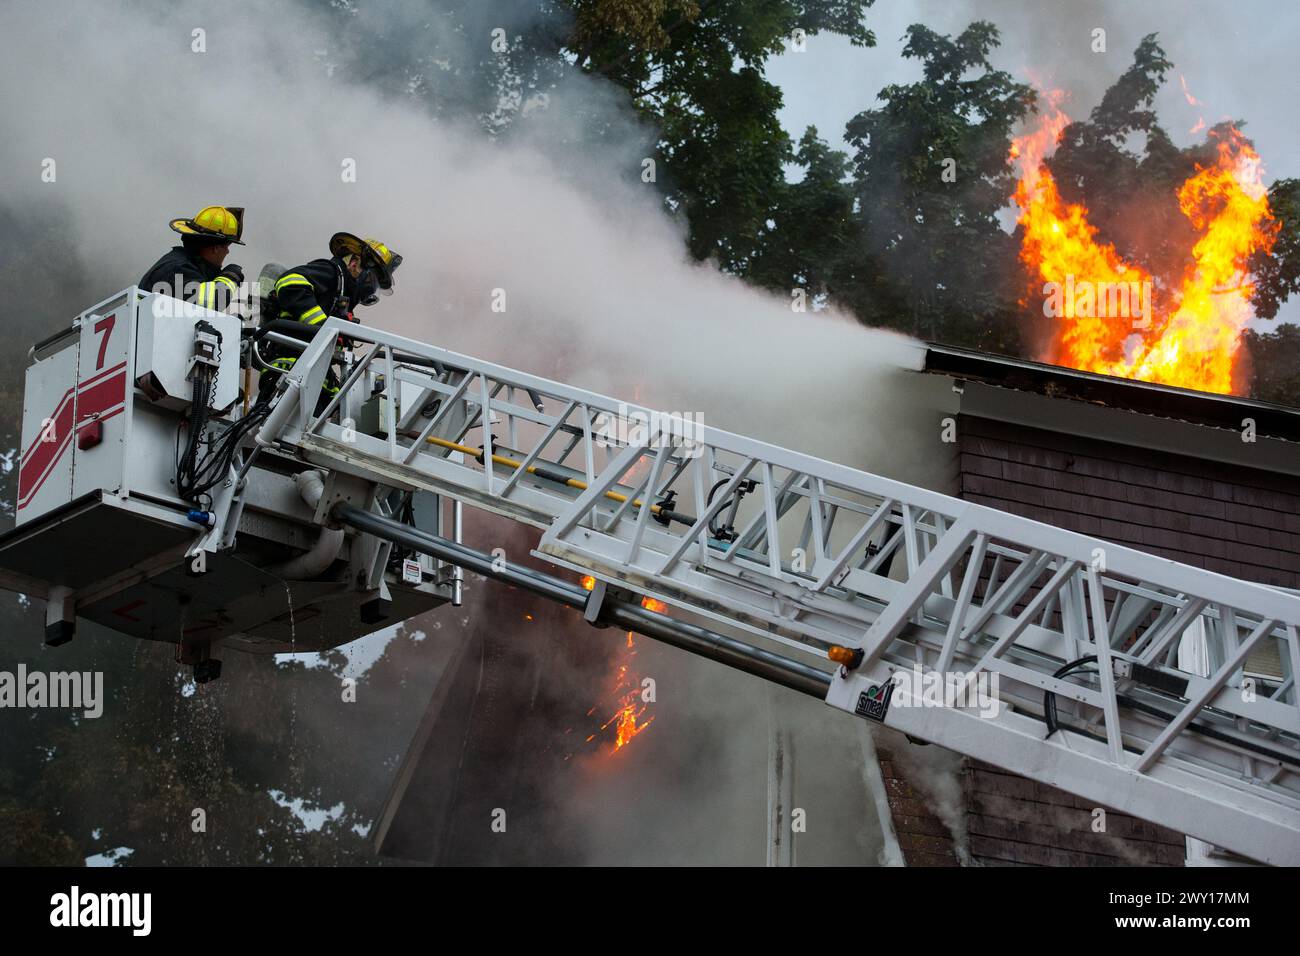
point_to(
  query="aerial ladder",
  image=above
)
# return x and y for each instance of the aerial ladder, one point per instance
(1113, 674)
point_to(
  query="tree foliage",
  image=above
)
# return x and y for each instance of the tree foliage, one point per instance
(1122, 165)
(1277, 271)
(882, 232)
(1275, 364)
(811, 231)
(696, 71)
(930, 175)
(692, 70)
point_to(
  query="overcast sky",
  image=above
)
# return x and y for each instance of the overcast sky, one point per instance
(1239, 59)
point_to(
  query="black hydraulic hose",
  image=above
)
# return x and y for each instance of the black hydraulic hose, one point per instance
(1197, 727)
(632, 617)
(1049, 699)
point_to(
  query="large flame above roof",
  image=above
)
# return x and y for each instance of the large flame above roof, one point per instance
(1112, 316)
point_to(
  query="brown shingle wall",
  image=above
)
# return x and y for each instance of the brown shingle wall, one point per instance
(923, 837)
(1221, 517)
(1225, 518)
(1014, 821)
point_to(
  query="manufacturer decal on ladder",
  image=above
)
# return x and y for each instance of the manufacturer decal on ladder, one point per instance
(873, 703)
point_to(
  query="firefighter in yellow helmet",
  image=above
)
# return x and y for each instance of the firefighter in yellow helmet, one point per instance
(357, 273)
(195, 271)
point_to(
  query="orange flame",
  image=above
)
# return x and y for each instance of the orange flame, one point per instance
(627, 716)
(629, 709)
(627, 726)
(1108, 321)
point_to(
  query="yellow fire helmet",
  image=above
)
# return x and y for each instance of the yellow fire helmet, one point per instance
(374, 255)
(224, 223)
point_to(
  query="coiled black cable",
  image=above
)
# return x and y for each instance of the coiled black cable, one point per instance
(206, 460)
(1049, 699)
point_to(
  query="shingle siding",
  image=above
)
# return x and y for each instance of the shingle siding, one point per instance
(922, 837)
(1239, 521)
(1235, 520)
(1013, 821)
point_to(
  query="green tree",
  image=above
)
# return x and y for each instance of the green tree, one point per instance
(930, 175)
(697, 72)
(460, 61)
(1277, 271)
(1275, 364)
(811, 230)
(691, 70)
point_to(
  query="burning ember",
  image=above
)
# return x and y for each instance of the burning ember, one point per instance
(629, 709)
(1113, 317)
(628, 712)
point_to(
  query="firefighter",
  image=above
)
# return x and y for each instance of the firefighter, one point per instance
(356, 273)
(194, 271)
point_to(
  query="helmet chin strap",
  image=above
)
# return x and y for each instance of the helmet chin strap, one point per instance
(341, 301)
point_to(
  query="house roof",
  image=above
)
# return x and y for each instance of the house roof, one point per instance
(1165, 401)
